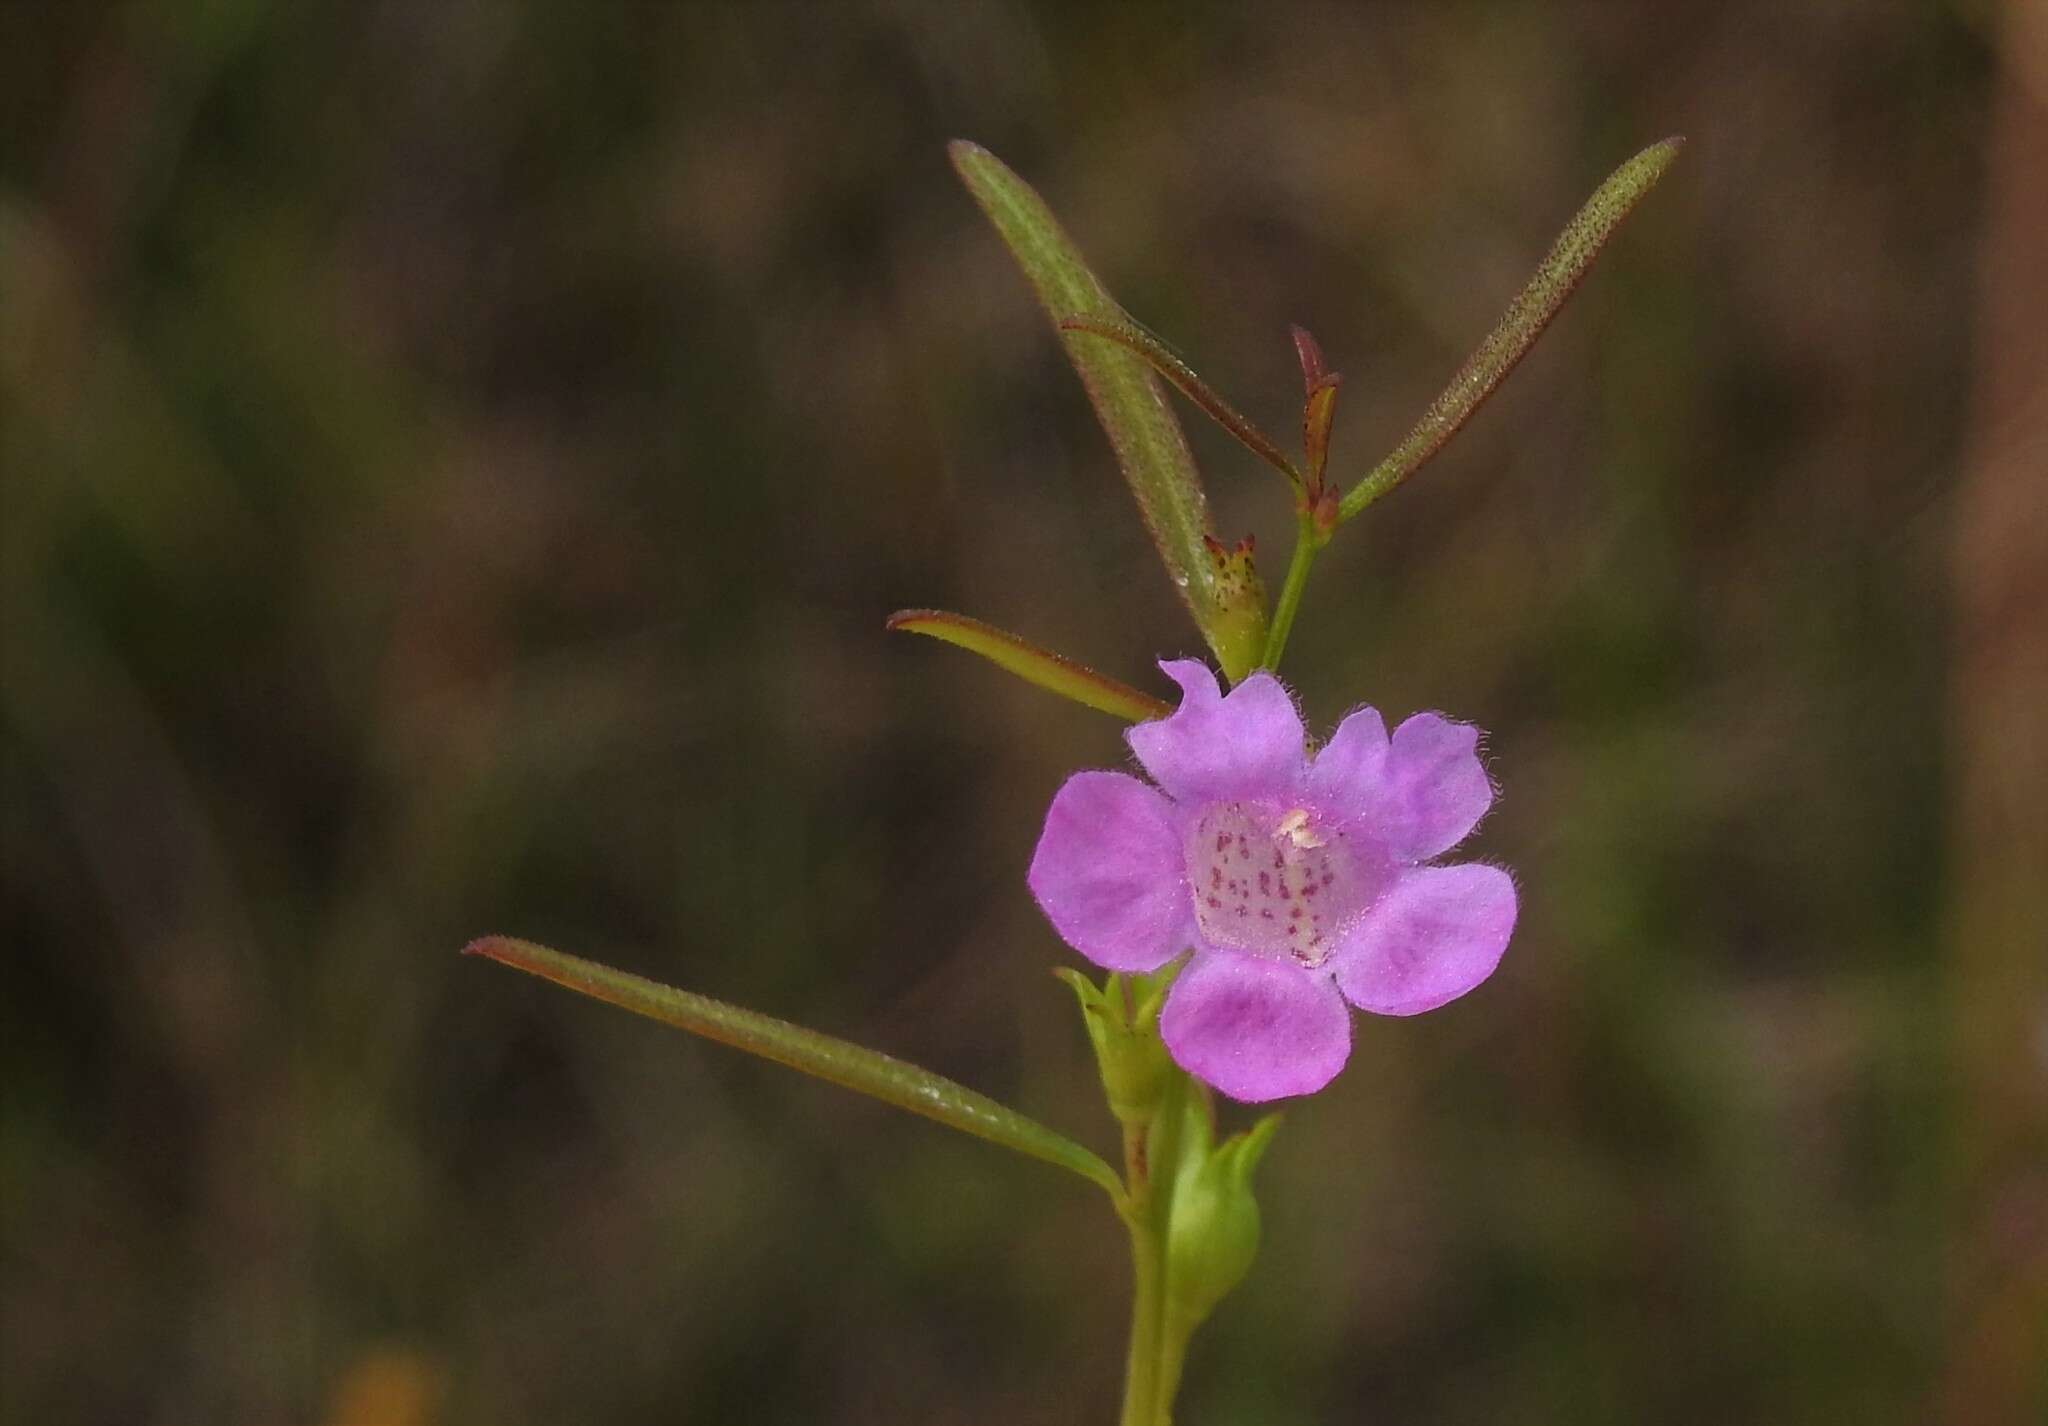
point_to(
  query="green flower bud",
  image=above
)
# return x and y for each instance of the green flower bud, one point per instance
(1237, 624)
(1214, 1233)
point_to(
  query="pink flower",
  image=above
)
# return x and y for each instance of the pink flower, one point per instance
(1299, 884)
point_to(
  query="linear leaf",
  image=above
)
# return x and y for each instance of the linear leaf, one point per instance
(1054, 672)
(1128, 399)
(1562, 268)
(1167, 363)
(841, 1062)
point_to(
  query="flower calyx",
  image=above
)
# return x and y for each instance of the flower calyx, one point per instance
(1122, 1016)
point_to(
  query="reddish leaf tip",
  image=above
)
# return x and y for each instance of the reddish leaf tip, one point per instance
(1310, 353)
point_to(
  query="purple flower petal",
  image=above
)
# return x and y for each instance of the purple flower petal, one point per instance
(1248, 743)
(1435, 934)
(1108, 872)
(1422, 794)
(1255, 1029)
(1347, 772)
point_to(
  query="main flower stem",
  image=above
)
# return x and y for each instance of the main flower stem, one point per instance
(1142, 1403)
(1158, 1344)
(1308, 542)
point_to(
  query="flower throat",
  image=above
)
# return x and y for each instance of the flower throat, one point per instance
(1273, 881)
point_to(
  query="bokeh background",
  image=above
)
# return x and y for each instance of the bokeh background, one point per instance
(457, 461)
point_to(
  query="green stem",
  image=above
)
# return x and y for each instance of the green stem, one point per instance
(1192, 1139)
(1142, 1403)
(1173, 1355)
(1308, 541)
(1152, 1160)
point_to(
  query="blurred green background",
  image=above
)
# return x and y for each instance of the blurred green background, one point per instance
(458, 458)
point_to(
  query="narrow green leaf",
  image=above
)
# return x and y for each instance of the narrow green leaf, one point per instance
(1569, 258)
(1128, 399)
(843, 1063)
(1053, 672)
(1163, 360)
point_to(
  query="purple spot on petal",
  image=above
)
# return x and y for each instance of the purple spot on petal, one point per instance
(1300, 860)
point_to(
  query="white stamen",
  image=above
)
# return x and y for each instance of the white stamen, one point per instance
(1294, 826)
